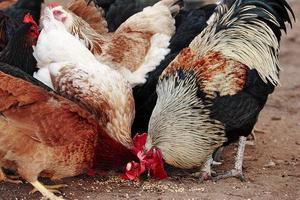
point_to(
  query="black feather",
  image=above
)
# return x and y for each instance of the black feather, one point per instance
(189, 24)
(16, 72)
(118, 11)
(18, 51)
(22, 7)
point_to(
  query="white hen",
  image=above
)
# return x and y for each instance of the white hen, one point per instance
(137, 46)
(77, 75)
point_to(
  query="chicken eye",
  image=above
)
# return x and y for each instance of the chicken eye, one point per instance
(57, 12)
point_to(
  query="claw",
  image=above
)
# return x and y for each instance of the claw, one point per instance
(232, 173)
(47, 193)
(237, 171)
(206, 171)
(204, 177)
(51, 188)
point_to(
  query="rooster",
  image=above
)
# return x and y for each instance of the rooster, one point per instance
(42, 133)
(213, 91)
(189, 23)
(76, 74)
(136, 47)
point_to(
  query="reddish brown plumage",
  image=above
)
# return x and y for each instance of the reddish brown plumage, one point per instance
(46, 133)
(110, 153)
(125, 43)
(92, 15)
(212, 71)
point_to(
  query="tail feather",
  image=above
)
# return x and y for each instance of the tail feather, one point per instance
(251, 31)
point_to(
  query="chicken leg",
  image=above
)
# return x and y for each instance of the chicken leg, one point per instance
(238, 166)
(5, 178)
(206, 171)
(44, 191)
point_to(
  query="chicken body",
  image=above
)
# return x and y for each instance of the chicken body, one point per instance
(77, 75)
(136, 47)
(214, 90)
(42, 134)
(189, 23)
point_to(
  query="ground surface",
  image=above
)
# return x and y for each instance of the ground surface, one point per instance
(272, 166)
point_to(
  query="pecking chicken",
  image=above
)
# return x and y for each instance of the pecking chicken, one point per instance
(76, 74)
(136, 47)
(213, 91)
(189, 23)
(42, 133)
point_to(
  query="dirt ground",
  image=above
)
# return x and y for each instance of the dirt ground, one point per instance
(271, 167)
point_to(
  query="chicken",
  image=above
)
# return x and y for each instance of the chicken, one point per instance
(136, 47)
(76, 74)
(213, 91)
(42, 133)
(22, 7)
(21, 52)
(11, 18)
(189, 23)
(7, 3)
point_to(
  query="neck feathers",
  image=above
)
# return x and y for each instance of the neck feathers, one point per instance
(180, 125)
(249, 38)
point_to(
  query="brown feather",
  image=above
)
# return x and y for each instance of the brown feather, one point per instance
(127, 48)
(42, 132)
(214, 72)
(91, 14)
(7, 3)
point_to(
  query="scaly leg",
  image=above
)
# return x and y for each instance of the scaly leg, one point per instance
(206, 171)
(218, 154)
(44, 190)
(9, 179)
(238, 166)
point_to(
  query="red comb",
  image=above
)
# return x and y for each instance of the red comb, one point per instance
(155, 164)
(151, 161)
(53, 4)
(29, 20)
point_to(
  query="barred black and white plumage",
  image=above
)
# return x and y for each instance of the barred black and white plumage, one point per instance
(233, 64)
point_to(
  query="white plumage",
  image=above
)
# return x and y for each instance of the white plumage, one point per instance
(76, 74)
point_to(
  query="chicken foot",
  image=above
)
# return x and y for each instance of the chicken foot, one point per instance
(51, 188)
(46, 190)
(238, 166)
(206, 171)
(9, 179)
